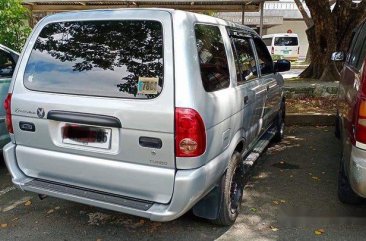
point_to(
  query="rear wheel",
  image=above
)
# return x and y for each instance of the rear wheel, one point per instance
(280, 124)
(345, 193)
(232, 185)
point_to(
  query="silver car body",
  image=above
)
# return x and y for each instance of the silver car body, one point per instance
(162, 186)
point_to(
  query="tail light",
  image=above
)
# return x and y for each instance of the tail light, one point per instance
(360, 120)
(298, 50)
(190, 133)
(273, 50)
(7, 107)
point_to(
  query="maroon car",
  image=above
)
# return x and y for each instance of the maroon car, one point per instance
(351, 119)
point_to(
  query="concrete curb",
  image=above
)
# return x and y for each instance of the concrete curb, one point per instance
(309, 119)
(298, 66)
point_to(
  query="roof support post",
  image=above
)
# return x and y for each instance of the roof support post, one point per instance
(261, 19)
(243, 14)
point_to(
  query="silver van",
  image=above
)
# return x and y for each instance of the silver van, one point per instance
(148, 112)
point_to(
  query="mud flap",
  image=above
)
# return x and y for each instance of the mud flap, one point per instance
(208, 207)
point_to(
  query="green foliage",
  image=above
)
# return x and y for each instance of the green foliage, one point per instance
(276, 57)
(210, 13)
(13, 24)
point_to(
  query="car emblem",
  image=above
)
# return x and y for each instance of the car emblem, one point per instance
(40, 112)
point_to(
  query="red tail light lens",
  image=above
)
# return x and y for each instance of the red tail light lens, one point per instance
(273, 50)
(360, 121)
(7, 107)
(190, 133)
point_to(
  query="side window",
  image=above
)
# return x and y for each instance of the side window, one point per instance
(357, 55)
(245, 60)
(7, 65)
(264, 58)
(354, 54)
(212, 58)
(363, 55)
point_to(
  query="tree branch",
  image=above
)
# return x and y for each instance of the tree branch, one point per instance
(309, 22)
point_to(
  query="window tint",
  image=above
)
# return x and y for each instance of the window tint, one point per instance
(98, 58)
(264, 58)
(267, 41)
(286, 41)
(362, 56)
(355, 34)
(358, 53)
(245, 60)
(212, 58)
(7, 65)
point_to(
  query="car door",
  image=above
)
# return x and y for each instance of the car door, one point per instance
(7, 65)
(247, 84)
(268, 79)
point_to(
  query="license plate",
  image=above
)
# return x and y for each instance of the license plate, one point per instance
(286, 51)
(88, 136)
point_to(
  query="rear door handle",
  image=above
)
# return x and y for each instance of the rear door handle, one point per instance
(150, 142)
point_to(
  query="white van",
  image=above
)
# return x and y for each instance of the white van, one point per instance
(284, 44)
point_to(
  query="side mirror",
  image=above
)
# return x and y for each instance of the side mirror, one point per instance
(338, 56)
(282, 65)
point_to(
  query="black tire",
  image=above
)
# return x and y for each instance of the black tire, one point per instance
(345, 192)
(231, 187)
(280, 124)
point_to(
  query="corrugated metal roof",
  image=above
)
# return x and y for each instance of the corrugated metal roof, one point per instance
(192, 5)
(168, 2)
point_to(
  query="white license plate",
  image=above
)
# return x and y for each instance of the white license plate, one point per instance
(88, 136)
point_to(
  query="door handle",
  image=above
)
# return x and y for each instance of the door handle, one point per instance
(246, 100)
(150, 142)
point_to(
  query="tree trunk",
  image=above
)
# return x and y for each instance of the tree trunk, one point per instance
(331, 32)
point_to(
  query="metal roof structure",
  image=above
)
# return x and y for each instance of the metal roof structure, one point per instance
(191, 5)
(41, 8)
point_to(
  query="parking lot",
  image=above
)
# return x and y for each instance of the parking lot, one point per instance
(291, 195)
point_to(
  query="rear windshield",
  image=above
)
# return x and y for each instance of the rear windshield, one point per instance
(286, 41)
(98, 58)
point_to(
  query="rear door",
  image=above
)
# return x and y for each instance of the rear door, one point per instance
(272, 85)
(7, 65)
(248, 83)
(99, 94)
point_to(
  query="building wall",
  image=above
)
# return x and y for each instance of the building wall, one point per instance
(298, 27)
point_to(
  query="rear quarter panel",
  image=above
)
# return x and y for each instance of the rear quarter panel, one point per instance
(220, 110)
(348, 91)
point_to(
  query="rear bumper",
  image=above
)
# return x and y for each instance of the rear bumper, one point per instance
(357, 171)
(190, 186)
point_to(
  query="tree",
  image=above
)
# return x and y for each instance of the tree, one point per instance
(330, 30)
(13, 28)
